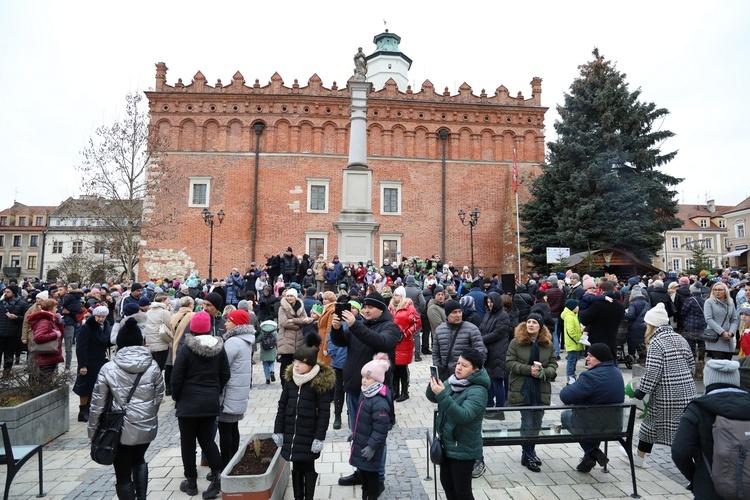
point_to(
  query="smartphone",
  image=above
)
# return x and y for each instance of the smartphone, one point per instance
(434, 372)
(341, 307)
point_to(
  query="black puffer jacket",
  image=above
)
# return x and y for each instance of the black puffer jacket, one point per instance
(522, 302)
(304, 413)
(660, 295)
(694, 440)
(12, 327)
(496, 331)
(637, 309)
(200, 372)
(365, 339)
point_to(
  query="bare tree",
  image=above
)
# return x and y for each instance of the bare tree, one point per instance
(116, 165)
(76, 267)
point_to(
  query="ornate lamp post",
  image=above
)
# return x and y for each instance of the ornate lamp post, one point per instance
(208, 218)
(473, 219)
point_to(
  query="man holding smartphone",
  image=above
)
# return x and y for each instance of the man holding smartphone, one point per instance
(377, 333)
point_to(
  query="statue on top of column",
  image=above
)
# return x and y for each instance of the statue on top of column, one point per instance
(360, 66)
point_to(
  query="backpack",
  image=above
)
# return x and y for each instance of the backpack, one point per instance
(731, 458)
(268, 340)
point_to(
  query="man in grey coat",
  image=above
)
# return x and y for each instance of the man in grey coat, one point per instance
(452, 337)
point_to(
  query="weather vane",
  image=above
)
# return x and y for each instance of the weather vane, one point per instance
(386, 25)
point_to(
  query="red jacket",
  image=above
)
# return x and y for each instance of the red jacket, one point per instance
(409, 323)
(47, 326)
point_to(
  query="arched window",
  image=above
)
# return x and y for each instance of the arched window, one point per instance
(739, 228)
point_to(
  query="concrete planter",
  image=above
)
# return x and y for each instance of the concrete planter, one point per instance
(268, 486)
(39, 420)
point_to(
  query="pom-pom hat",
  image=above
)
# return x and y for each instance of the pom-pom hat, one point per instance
(308, 352)
(377, 368)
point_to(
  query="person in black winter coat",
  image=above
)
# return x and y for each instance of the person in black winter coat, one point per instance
(603, 317)
(638, 306)
(91, 353)
(468, 310)
(303, 415)
(12, 311)
(372, 423)
(693, 443)
(289, 266)
(542, 308)
(266, 303)
(200, 372)
(496, 331)
(523, 302)
(660, 294)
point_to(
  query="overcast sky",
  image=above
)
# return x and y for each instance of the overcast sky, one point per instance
(65, 67)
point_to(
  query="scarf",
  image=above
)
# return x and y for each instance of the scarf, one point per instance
(304, 378)
(372, 390)
(532, 386)
(458, 385)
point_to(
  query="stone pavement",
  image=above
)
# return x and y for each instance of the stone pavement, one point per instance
(69, 473)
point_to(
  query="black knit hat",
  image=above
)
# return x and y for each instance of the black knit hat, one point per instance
(374, 299)
(215, 300)
(129, 334)
(451, 306)
(136, 286)
(602, 352)
(308, 352)
(536, 317)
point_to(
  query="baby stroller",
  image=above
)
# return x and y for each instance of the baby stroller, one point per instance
(622, 342)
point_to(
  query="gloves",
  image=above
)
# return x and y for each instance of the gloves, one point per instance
(368, 453)
(278, 439)
(317, 446)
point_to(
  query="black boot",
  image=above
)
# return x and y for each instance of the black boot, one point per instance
(351, 480)
(529, 463)
(310, 480)
(83, 413)
(189, 485)
(140, 478)
(298, 484)
(214, 489)
(125, 491)
(403, 397)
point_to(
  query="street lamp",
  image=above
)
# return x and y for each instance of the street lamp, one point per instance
(473, 219)
(208, 218)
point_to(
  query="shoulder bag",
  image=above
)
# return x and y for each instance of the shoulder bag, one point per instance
(709, 335)
(437, 450)
(107, 436)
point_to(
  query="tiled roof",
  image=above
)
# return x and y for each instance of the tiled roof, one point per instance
(688, 212)
(21, 209)
(743, 205)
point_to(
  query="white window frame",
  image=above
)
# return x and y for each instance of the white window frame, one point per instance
(709, 244)
(711, 262)
(31, 240)
(317, 181)
(16, 258)
(77, 244)
(689, 242)
(726, 243)
(688, 264)
(739, 225)
(704, 223)
(317, 234)
(13, 241)
(676, 264)
(397, 185)
(390, 236)
(193, 182)
(676, 242)
(722, 223)
(55, 247)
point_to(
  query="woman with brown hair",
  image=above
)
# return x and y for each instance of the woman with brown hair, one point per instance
(292, 317)
(46, 325)
(532, 365)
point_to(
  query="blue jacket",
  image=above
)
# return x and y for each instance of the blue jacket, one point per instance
(371, 425)
(235, 288)
(637, 309)
(600, 385)
(478, 295)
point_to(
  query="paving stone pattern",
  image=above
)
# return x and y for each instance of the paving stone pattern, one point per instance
(69, 473)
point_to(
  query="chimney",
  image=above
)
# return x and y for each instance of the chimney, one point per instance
(711, 206)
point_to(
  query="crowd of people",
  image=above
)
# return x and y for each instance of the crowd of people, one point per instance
(342, 335)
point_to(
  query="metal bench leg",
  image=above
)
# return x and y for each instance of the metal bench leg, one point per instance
(41, 476)
(606, 454)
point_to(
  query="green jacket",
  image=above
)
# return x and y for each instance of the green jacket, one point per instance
(460, 415)
(516, 362)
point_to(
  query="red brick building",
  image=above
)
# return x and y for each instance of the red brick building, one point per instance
(299, 137)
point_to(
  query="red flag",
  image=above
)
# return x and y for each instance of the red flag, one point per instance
(515, 172)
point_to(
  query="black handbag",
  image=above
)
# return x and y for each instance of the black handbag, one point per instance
(437, 451)
(709, 335)
(107, 436)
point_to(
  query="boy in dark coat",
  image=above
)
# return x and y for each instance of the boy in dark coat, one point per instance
(371, 425)
(303, 415)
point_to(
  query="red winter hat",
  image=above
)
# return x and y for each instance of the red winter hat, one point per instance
(239, 317)
(201, 323)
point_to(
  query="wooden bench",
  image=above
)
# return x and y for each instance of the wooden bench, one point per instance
(502, 427)
(15, 456)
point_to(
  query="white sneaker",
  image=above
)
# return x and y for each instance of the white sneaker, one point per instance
(638, 461)
(571, 380)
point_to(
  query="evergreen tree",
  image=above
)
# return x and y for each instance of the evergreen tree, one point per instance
(601, 187)
(698, 260)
